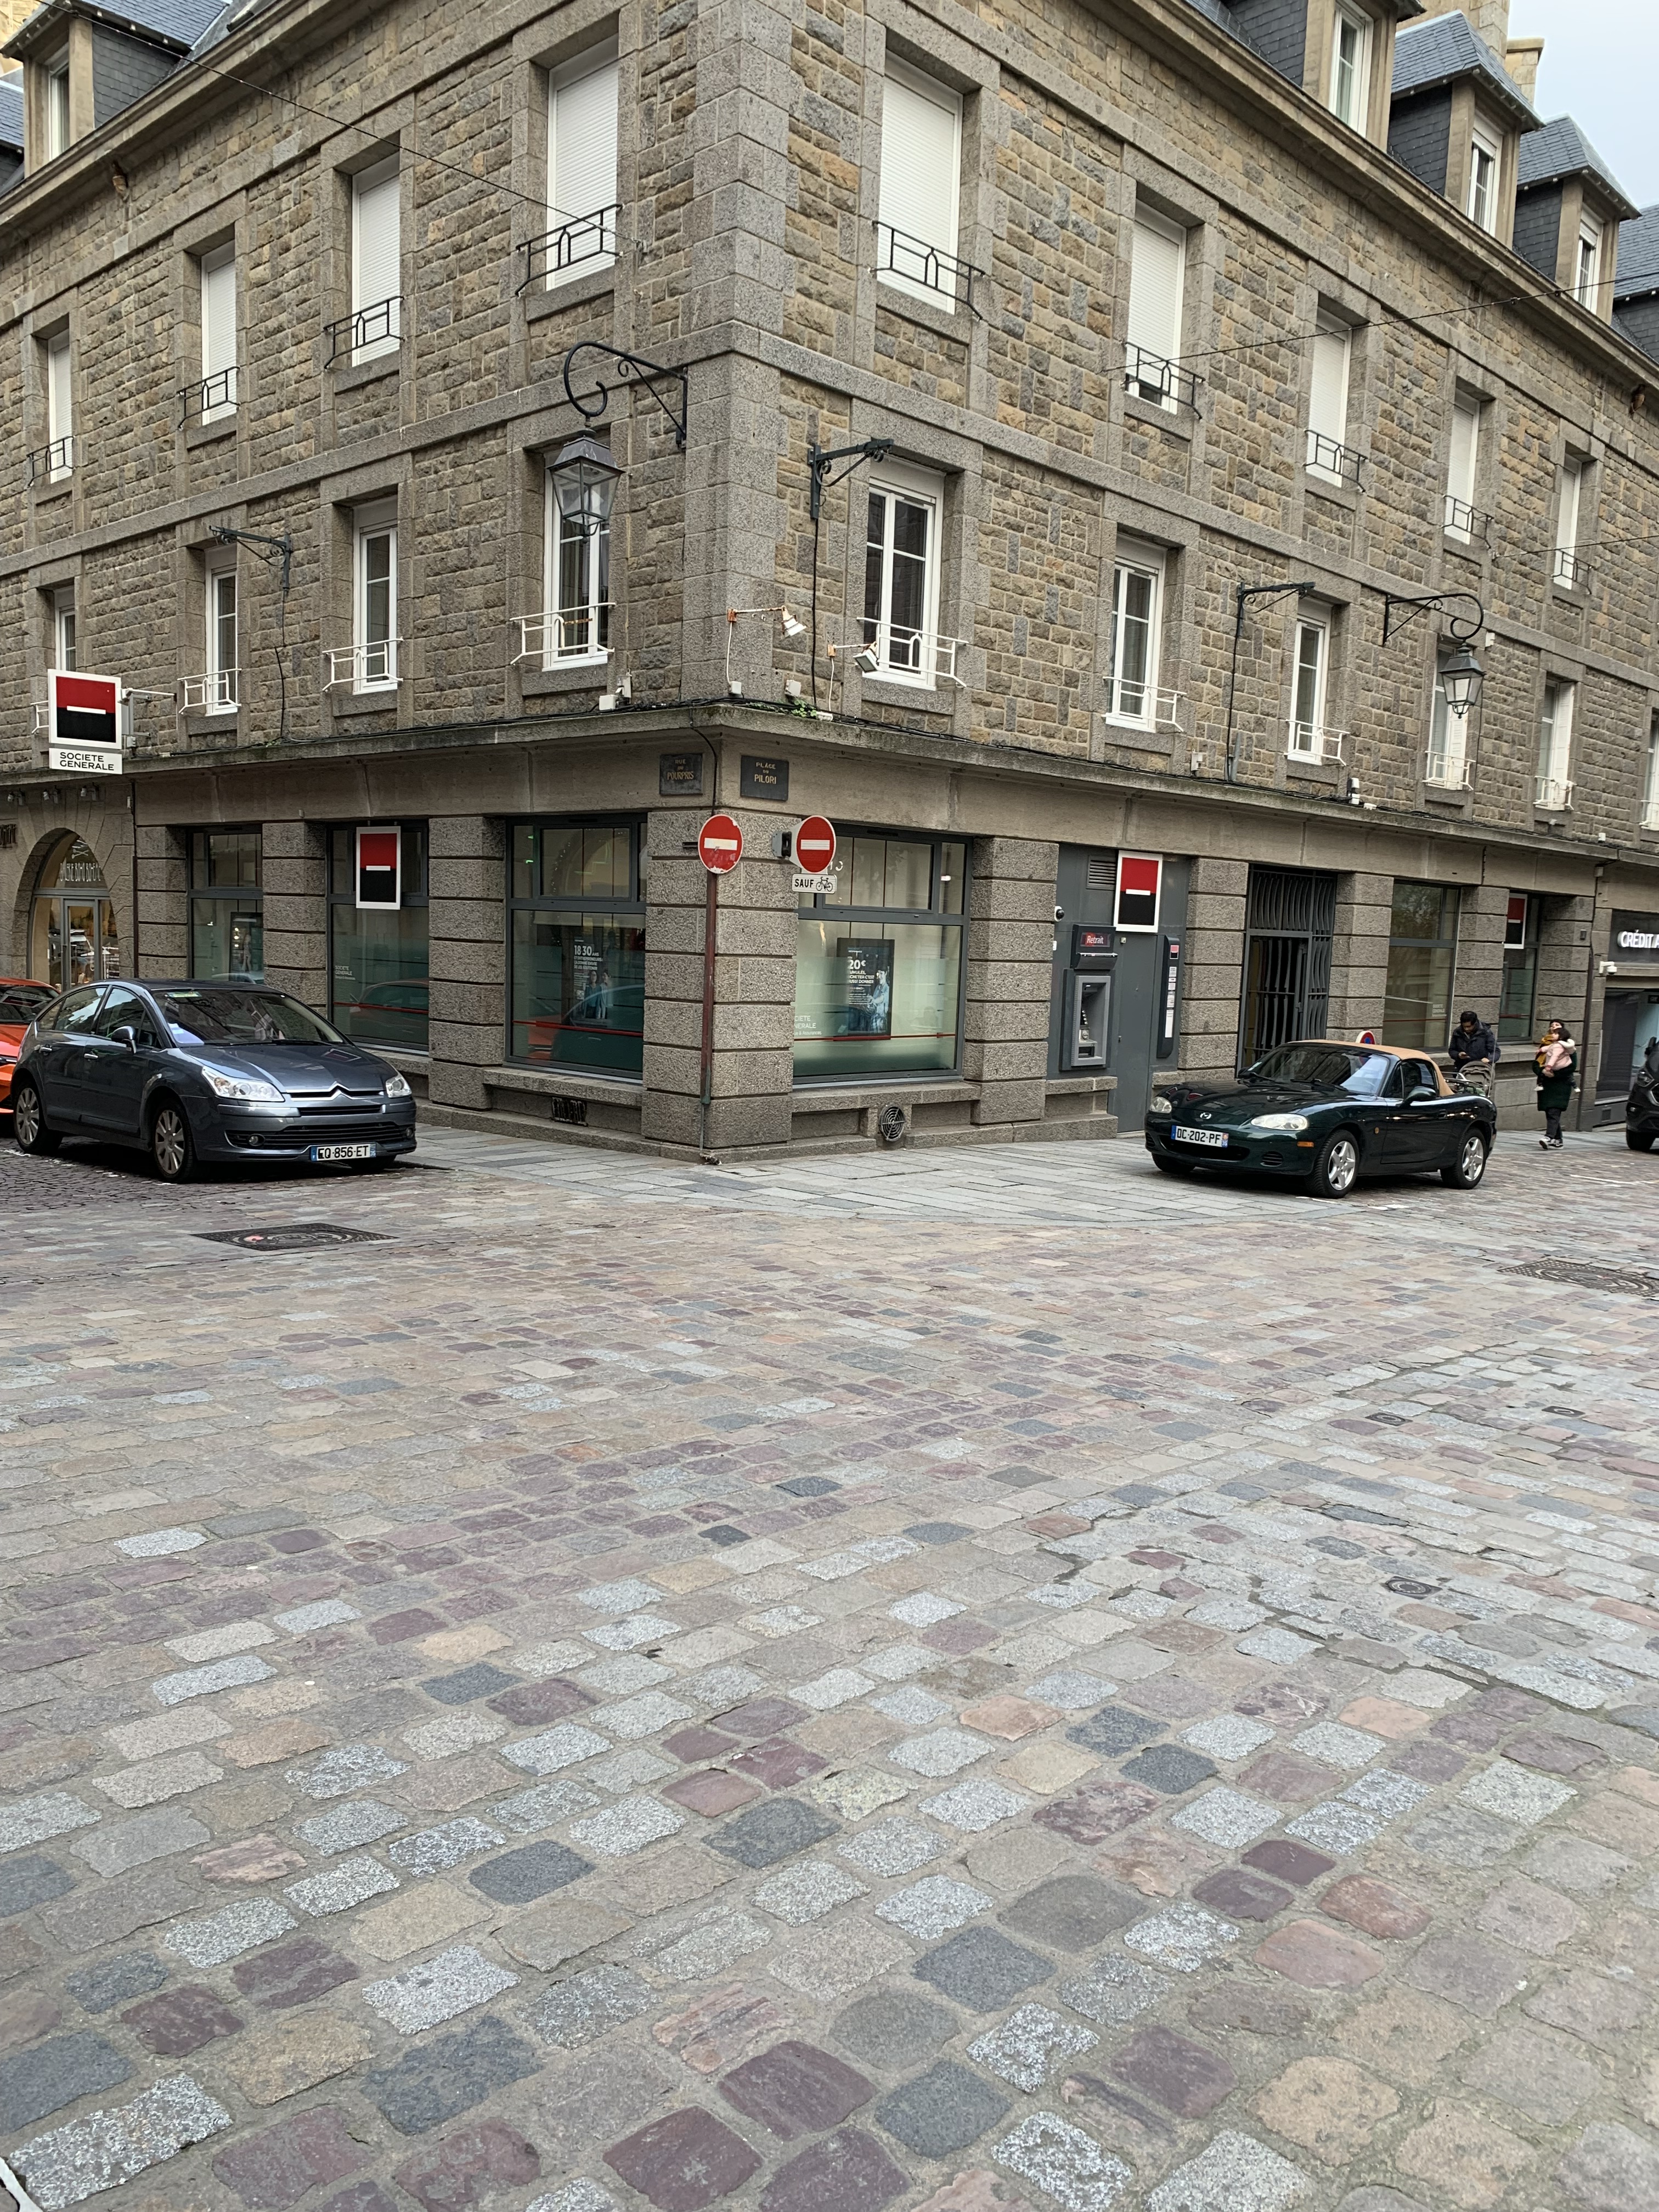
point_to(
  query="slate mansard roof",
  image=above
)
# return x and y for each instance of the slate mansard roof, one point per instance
(1561, 150)
(1445, 48)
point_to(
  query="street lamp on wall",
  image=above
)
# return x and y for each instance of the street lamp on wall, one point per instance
(584, 483)
(1462, 676)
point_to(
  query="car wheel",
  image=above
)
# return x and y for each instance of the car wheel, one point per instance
(28, 1122)
(171, 1148)
(1633, 1138)
(1470, 1165)
(1337, 1169)
(1171, 1167)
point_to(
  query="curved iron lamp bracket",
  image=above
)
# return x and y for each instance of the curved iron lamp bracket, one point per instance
(631, 369)
(1463, 629)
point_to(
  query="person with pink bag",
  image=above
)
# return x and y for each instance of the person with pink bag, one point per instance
(1556, 1062)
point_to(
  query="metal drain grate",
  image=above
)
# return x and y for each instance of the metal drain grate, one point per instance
(1633, 1282)
(292, 1237)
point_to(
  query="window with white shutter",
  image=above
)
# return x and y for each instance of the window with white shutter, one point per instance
(60, 409)
(218, 332)
(1554, 787)
(1568, 568)
(1157, 278)
(1462, 468)
(581, 167)
(375, 597)
(376, 260)
(1328, 402)
(920, 184)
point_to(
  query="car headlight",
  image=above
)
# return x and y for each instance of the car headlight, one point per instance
(1279, 1122)
(397, 1087)
(1158, 1104)
(251, 1087)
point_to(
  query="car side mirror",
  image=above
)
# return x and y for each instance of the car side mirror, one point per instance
(126, 1035)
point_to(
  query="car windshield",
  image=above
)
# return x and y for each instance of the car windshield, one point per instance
(1362, 1074)
(21, 1002)
(220, 1017)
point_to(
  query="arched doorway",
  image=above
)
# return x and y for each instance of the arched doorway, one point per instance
(72, 938)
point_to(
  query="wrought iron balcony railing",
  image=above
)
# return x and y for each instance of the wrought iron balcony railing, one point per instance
(576, 245)
(369, 333)
(1329, 456)
(915, 262)
(213, 396)
(1148, 376)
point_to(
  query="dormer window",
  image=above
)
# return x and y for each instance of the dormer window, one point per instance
(57, 106)
(1350, 67)
(1587, 271)
(1486, 168)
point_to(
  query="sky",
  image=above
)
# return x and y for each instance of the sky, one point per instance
(1601, 67)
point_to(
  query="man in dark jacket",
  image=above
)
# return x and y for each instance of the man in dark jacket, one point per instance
(1472, 1040)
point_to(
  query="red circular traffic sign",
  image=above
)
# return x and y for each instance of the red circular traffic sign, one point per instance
(719, 844)
(815, 845)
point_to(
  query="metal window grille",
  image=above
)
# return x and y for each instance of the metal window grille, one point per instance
(1148, 376)
(584, 238)
(370, 326)
(907, 651)
(1552, 795)
(1290, 923)
(1463, 520)
(363, 667)
(212, 395)
(1330, 458)
(212, 694)
(1570, 572)
(52, 461)
(567, 634)
(898, 254)
(1147, 706)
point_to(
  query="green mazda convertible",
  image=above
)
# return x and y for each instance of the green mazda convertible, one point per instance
(1322, 1114)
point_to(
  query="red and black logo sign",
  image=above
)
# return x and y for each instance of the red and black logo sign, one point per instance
(1139, 875)
(86, 710)
(379, 867)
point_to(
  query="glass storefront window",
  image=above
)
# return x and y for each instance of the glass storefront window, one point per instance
(1422, 945)
(1520, 991)
(577, 901)
(878, 965)
(227, 918)
(72, 935)
(378, 984)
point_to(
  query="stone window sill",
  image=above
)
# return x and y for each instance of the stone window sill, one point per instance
(345, 705)
(1171, 420)
(354, 374)
(1344, 496)
(910, 699)
(1145, 739)
(830, 1097)
(209, 434)
(578, 292)
(944, 322)
(197, 725)
(49, 494)
(560, 681)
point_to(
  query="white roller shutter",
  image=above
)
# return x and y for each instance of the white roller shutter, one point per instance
(60, 410)
(1156, 276)
(920, 159)
(1465, 451)
(376, 262)
(1328, 408)
(581, 158)
(219, 325)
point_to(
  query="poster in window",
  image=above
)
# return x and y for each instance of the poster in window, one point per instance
(1139, 879)
(379, 868)
(1514, 921)
(867, 967)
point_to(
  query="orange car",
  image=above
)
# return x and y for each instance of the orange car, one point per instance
(20, 1002)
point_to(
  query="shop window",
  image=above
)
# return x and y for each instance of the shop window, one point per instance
(879, 963)
(901, 574)
(1132, 690)
(1517, 998)
(1422, 945)
(581, 168)
(921, 189)
(377, 916)
(227, 906)
(1651, 780)
(576, 899)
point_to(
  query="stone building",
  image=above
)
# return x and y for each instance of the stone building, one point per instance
(483, 441)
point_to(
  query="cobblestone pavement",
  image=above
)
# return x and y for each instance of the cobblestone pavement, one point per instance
(963, 1680)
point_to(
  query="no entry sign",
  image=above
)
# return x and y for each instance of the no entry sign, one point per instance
(814, 845)
(719, 844)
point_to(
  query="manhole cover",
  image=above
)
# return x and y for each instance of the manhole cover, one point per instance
(291, 1236)
(1633, 1282)
(1403, 1586)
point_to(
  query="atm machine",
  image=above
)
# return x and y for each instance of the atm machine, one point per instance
(1085, 1039)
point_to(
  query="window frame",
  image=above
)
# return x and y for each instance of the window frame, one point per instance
(1327, 324)
(893, 481)
(369, 523)
(407, 900)
(1434, 1037)
(1570, 521)
(1164, 393)
(205, 892)
(1557, 721)
(592, 61)
(60, 404)
(1449, 736)
(1483, 140)
(65, 641)
(598, 607)
(919, 86)
(1468, 407)
(55, 104)
(813, 905)
(1518, 1028)
(220, 696)
(1648, 819)
(1134, 559)
(635, 826)
(1310, 621)
(211, 265)
(373, 178)
(1592, 235)
(1356, 19)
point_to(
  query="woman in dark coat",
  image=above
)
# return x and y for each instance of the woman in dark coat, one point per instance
(1556, 1062)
